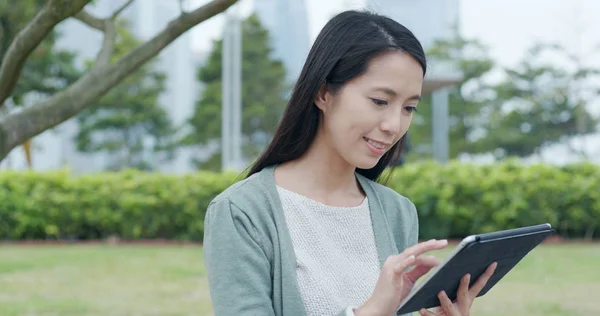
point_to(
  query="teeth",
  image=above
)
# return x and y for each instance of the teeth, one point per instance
(376, 144)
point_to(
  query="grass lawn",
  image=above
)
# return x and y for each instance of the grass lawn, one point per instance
(170, 280)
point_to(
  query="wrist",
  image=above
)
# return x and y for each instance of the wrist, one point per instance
(366, 310)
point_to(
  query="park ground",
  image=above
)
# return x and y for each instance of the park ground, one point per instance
(170, 280)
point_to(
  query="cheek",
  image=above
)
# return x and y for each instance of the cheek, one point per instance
(340, 127)
(355, 121)
(348, 117)
(406, 121)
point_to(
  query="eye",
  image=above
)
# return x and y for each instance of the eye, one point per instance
(379, 102)
(411, 108)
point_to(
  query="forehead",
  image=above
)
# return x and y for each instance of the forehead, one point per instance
(395, 70)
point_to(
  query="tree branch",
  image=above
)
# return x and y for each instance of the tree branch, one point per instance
(31, 121)
(108, 44)
(108, 41)
(110, 32)
(29, 38)
(181, 11)
(90, 20)
(121, 9)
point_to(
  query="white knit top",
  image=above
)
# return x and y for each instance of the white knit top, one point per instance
(337, 263)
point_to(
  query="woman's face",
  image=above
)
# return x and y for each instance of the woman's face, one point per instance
(370, 113)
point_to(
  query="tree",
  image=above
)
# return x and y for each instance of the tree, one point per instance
(540, 104)
(263, 98)
(465, 100)
(19, 126)
(47, 70)
(124, 120)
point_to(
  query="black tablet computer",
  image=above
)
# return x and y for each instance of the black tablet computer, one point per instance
(473, 255)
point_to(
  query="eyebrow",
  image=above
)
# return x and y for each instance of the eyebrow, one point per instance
(393, 93)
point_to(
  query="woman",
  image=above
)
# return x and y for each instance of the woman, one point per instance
(310, 231)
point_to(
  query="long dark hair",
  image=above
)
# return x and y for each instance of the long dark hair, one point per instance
(341, 52)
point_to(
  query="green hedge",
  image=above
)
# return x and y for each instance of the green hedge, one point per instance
(453, 201)
(458, 199)
(130, 205)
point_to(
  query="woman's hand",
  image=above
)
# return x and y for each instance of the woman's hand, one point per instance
(465, 296)
(395, 282)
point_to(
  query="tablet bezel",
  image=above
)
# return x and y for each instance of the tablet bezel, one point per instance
(474, 239)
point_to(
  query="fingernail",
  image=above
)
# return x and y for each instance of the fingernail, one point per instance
(411, 258)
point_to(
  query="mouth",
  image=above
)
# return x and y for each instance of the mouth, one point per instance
(377, 146)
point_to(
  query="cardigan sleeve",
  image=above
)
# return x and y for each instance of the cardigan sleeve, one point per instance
(237, 267)
(413, 237)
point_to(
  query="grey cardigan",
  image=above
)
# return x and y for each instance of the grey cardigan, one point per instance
(250, 261)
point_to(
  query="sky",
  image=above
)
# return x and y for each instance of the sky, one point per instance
(506, 26)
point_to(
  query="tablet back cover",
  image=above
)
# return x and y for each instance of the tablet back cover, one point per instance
(474, 259)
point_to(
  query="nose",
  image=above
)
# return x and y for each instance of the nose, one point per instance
(391, 123)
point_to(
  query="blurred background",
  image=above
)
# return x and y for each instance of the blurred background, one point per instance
(103, 213)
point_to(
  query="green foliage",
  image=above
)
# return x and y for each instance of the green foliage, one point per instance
(459, 199)
(128, 117)
(536, 105)
(453, 201)
(539, 104)
(47, 70)
(263, 102)
(129, 204)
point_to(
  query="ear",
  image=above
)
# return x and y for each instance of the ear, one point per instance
(323, 98)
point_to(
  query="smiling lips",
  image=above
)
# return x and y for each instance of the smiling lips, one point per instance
(376, 148)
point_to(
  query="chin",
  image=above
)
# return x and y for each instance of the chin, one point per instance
(366, 163)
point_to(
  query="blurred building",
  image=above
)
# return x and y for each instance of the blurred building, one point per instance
(430, 20)
(287, 22)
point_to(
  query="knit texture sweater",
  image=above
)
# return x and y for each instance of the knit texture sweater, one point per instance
(335, 252)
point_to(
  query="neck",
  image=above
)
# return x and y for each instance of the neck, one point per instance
(323, 169)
